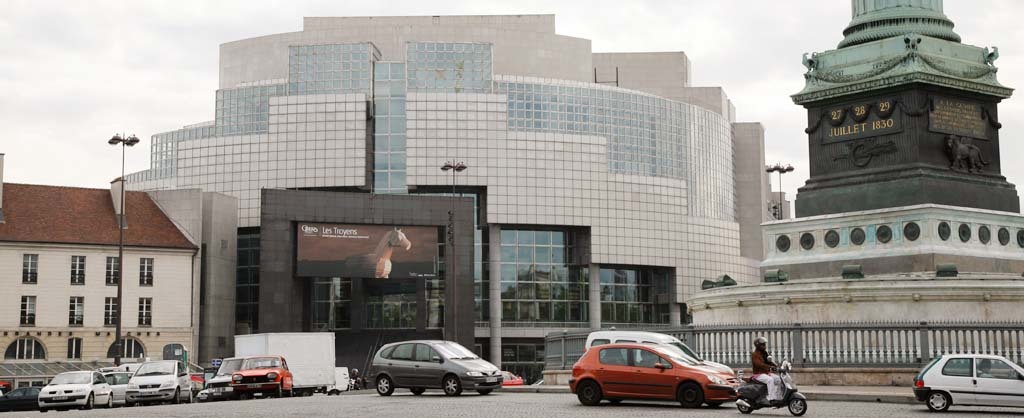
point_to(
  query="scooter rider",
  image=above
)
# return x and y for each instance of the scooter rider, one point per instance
(762, 368)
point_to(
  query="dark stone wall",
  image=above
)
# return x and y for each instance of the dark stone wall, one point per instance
(855, 168)
(285, 299)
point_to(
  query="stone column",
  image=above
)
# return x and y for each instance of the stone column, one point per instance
(594, 296)
(674, 311)
(675, 306)
(494, 287)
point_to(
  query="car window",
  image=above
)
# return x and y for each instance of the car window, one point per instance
(229, 366)
(423, 352)
(959, 367)
(387, 352)
(614, 356)
(17, 393)
(647, 359)
(600, 341)
(117, 378)
(995, 369)
(402, 352)
(624, 341)
(33, 392)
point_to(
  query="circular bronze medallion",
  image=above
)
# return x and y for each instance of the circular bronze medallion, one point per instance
(965, 232)
(1004, 236)
(984, 234)
(857, 236)
(912, 231)
(884, 234)
(782, 243)
(944, 230)
(807, 241)
(832, 239)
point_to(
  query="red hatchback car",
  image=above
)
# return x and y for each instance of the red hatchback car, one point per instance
(264, 375)
(650, 372)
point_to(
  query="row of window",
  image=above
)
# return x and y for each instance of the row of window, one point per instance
(30, 270)
(32, 349)
(76, 311)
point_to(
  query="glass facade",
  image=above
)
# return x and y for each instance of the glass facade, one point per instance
(335, 68)
(524, 359)
(389, 162)
(332, 303)
(247, 284)
(449, 67)
(629, 295)
(245, 110)
(539, 286)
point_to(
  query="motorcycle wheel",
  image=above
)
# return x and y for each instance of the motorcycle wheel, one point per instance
(797, 407)
(744, 409)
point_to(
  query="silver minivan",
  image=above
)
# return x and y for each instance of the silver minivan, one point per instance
(159, 381)
(432, 364)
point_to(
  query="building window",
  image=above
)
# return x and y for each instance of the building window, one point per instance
(30, 268)
(76, 311)
(524, 360)
(28, 310)
(538, 282)
(247, 285)
(628, 296)
(113, 271)
(145, 272)
(25, 349)
(110, 312)
(78, 269)
(132, 349)
(332, 300)
(74, 348)
(145, 312)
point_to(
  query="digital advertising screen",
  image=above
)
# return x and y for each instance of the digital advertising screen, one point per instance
(366, 251)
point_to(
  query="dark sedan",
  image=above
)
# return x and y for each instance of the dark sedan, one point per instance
(422, 365)
(21, 399)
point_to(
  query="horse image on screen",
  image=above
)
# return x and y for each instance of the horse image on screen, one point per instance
(366, 251)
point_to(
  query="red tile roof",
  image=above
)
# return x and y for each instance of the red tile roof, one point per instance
(71, 215)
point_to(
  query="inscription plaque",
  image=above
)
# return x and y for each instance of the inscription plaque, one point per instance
(957, 117)
(862, 120)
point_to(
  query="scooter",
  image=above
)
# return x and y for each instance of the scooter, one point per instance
(753, 395)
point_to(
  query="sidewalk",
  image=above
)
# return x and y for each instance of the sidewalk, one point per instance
(883, 394)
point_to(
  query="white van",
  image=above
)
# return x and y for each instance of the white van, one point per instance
(643, 337)
(341, 381)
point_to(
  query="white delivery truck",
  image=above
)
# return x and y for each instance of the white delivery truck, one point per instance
(310, 356)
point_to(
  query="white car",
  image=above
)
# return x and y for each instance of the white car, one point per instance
(159, 381)
(76, 390)
(645, 337)
(970, 380)
(118, 382)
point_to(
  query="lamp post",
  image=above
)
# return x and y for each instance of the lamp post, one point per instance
(455, 168)
(778, 167)
(118, 343)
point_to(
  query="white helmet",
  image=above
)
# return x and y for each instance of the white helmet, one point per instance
(760, 340)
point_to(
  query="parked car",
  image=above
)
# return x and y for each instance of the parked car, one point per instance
(646, 337)
(615, 372)
(118, 382)
(126, 367)
(198, 382)
(509, 379)
(342, 381)
(970, 380)
(20, 399)
(262, 375)
(76, 390)
(432, 364)
(159, 381)
(218, 387)
(310, 355)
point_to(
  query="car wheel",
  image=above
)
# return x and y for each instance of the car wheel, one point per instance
(89, 402)
(385, 387)
(452, 386)
(417, 391)
(589, 393)
(938, 401)
(690, 395)
(177, 396)
(744, 409)
(110, 401)
(484, 391)
(797, 407)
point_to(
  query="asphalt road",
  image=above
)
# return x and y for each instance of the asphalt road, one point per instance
(366, 404)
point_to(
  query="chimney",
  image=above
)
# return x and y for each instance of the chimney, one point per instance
(1, 188)
(116, 190)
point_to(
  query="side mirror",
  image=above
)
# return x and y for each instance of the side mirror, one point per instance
(659, 366)
(437, 359)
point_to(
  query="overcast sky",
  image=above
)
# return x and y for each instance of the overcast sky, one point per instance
(75, 72)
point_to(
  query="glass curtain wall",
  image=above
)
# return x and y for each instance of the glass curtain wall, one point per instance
(389, 163)
(539, 286)
(629, 295)
(247, 285)
(332, 303)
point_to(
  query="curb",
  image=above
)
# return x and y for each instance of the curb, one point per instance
(811, 395)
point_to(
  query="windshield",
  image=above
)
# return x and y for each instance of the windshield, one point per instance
(229, 366)
(72, 379)
(676, 354)
(117, 378)
(454, 351)
(260, 363)
(156, 368)
(686, 350)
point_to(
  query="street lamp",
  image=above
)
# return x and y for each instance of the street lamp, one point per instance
(781, 170)
(118, 344)
(455, 168)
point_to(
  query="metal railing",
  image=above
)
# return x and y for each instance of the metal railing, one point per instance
(838, 345)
